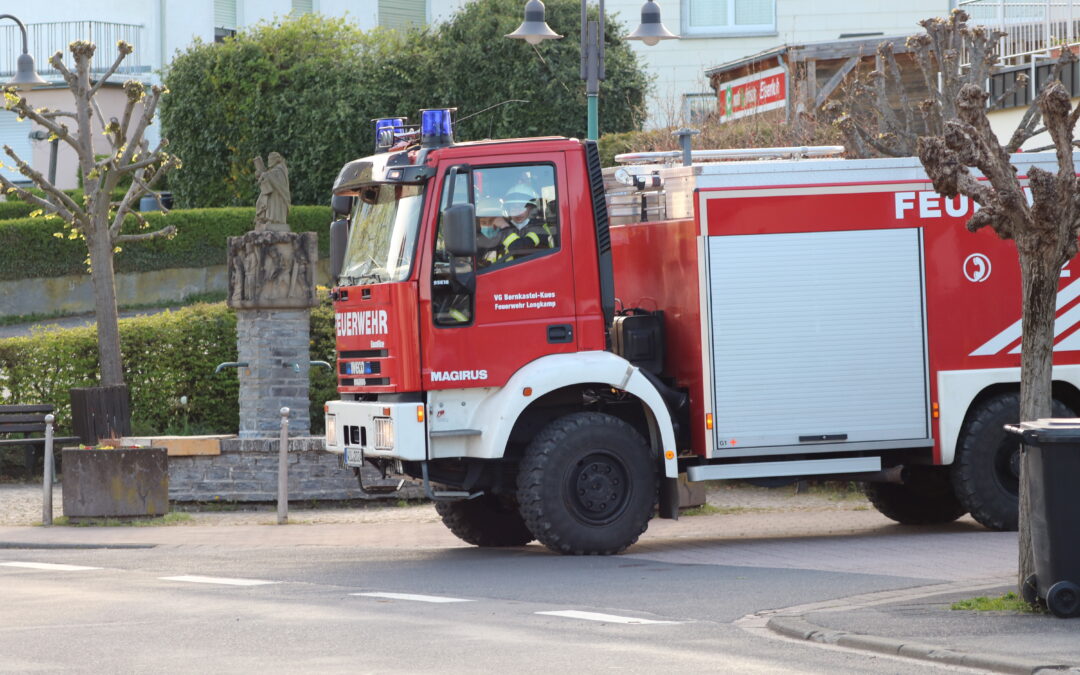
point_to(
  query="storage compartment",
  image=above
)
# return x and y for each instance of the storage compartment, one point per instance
(817, 339)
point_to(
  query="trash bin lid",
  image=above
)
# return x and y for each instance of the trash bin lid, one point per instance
(1047, 430)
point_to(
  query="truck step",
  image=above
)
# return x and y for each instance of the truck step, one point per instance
(802, 467)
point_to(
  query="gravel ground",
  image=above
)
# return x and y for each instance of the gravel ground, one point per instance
(20, 504)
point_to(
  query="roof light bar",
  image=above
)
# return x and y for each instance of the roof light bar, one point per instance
(436, 128)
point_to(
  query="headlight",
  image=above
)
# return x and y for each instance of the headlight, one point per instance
(384, 433)
(331, 430)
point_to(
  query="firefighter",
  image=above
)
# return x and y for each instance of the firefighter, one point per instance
(528, 233)
(492, 228)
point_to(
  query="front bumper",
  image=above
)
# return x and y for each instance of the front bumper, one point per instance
(379, 430)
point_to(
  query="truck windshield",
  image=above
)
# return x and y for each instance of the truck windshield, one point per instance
(382, 236)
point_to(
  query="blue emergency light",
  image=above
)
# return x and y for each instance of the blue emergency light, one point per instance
(435, 128)
(386, 131)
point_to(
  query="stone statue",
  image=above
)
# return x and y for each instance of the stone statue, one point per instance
(272, 206)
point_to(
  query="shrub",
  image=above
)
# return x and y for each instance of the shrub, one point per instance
(308, 86)
(29, 249)
(166, 356)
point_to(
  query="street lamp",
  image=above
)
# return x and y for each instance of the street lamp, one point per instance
(24, 72)
(534, 30)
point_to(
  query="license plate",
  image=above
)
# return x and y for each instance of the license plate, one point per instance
(354, 457)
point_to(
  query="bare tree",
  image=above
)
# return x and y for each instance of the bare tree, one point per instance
(877, 115)
(98, 220)
(956, 137)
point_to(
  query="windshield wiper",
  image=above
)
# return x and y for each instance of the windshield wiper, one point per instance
(369, 269)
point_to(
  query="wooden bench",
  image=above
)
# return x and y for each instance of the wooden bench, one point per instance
(29, 422)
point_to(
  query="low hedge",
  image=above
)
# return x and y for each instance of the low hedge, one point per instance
(166, 356)
(15, 209)
(29, 249)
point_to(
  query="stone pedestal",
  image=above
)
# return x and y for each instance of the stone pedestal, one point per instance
(272, 288)
(274, 343)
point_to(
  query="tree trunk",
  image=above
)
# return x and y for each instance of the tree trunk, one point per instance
(1040, 275)
(108, 326)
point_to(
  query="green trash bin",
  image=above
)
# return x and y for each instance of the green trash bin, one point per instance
(1053, 447)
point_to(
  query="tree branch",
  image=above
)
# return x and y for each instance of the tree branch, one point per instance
(167, 231)
(122, 49)
(62, 199)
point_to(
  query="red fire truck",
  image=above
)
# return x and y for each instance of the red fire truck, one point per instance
(767, 320)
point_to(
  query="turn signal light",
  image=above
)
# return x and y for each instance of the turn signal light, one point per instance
(527, 391)
(419, 413)
(708, 421)
(935, 412)
(386, 412)
(670, 454)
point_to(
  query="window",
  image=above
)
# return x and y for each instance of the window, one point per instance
(517, 220)
(224, 19)
(402, 14)
(698, 107)
(302, 7)
(719, 18)
(17, 135)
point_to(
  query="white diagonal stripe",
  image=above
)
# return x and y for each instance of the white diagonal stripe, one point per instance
(195, 579)
(1012, 333)
(607, 618)
(49, 566)
(411, 596)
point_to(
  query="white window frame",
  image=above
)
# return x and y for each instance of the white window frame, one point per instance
(729, 30)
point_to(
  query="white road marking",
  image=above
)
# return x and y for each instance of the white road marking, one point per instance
(609, 618)
(410, 596)
(49, 566)
(195, 579)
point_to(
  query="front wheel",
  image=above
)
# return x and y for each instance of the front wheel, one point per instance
(587, 485)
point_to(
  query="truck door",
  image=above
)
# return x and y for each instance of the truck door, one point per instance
(522, 306)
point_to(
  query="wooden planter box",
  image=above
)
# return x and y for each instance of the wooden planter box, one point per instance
(120, 483)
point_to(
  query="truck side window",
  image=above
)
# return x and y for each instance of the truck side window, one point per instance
(517, 218)
(517, 213)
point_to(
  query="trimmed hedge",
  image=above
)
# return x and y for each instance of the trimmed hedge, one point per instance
(15, 209)
(166, 356)
(29, 249)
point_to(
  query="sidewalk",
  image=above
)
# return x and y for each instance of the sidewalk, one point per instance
(913, 622)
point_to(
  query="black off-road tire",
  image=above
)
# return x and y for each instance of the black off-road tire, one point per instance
(925, 498)
(985, 472)
(587, 485)
(487, 520)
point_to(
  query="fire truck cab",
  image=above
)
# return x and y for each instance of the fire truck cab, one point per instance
(547, 345)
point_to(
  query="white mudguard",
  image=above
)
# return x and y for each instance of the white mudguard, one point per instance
(477, 422)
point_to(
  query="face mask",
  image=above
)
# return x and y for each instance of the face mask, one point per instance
(488, 231)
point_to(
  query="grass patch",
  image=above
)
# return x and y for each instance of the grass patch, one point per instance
(1010, 602)
(710, 510)
(166, 520)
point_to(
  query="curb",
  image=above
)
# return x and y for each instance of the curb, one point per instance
(797, 627)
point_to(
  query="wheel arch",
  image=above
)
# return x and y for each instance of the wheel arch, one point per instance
(961, 393)
(555, 382)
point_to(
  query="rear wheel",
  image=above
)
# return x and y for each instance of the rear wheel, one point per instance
(926, 497)
(587, 485)
(487, 520)
(986, 471)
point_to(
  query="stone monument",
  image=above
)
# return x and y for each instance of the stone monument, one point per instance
(272, 289)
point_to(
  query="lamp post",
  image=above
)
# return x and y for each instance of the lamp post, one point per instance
(534, 30)
(24, 72)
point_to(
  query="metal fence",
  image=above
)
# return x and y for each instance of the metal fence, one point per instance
(45, 39)
(1031, 27)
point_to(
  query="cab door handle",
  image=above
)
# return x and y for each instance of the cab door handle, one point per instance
(560, 333)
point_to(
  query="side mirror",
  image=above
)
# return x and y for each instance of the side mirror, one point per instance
(459, 230)
(341, 205)
(339, 239)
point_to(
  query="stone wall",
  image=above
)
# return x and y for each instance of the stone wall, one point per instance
(247, 471)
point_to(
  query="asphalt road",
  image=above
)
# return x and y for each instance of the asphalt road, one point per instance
(673, 603)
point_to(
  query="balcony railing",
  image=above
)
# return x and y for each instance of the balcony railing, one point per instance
(1032, 27)
(45, 39)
